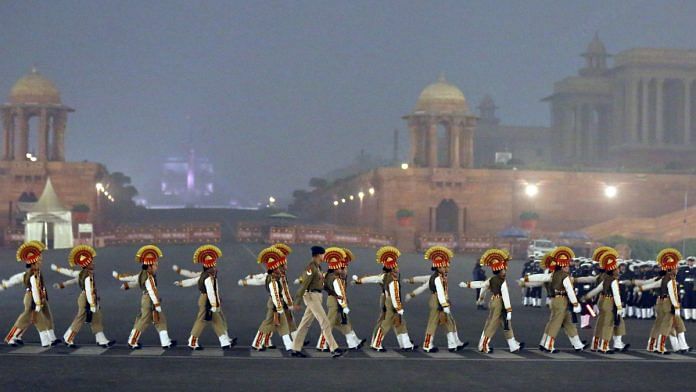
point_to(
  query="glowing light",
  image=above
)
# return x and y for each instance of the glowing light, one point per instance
(531, 190)
(351, 197)
(404, 166)
(361, 194)
(610, 191)
(335, 202)
(371, 191)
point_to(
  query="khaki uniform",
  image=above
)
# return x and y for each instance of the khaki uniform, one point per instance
(148, 302)
(275, 320)
(208, 301)
(392, 319)
(83, 306)
(560, 315)
(497, 310)
(35, 294)
(311, 293)
(439, 300)
(605, 328)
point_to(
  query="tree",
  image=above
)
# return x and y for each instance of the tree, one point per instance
(316, 182)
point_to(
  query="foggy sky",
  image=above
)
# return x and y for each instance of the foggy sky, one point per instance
(277, 92)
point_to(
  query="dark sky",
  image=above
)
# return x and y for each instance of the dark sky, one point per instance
(277, 92)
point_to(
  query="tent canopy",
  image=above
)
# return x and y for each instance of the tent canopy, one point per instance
(48, 218)
(512, 232)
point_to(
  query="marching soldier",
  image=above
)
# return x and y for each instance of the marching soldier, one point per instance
(276, 320)
(209, 304)
(610, 324)
(388, 256)
(150, 302)
(564, 296)
(88, 309)
(596, 256)
(440, 310)
(668, 322)
(311, 292)
(36, 308)
(500, 305)
(686, 277)
(337, 300)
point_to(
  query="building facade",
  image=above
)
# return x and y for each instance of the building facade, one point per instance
(31, 156)
(638, 112)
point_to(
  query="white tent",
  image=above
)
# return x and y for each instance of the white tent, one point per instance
(48, 219)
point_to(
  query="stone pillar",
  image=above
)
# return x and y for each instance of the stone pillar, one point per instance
(659, 111)
(466, 146)
(21, 152)
(8, 130)
(687, 111)
(432, 145)
(59, 122)
(632, 111)
(413, 128)
(568, 128)
(43, 135)
(645, 113)
(454, 133)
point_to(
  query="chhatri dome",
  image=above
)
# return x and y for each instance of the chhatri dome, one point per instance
(442, 97)
(34, 88)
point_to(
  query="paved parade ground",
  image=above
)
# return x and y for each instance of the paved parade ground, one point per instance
(32, 367)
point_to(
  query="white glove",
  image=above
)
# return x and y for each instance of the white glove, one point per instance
(158, 309)
(400, 312)
(355, 278)
(114, 274)
(177, 283)
(175, 268)
(54, 267)
(346, 310)
(215, 309)
(93, 309)
(623, 312)
(240, 282)
(508, 316)
(463, 285)
(296, 281)
(576, 308)
(446, 310)
(37, 308)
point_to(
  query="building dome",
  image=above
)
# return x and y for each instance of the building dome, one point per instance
(34, 89)
(596, 46)
(442, 97)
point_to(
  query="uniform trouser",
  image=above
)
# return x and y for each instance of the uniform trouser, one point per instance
(24, 320)
(659, 316)
(314, 310)
(496, 318)
(560, 317)
(434, 321)
(148, 315)
(665, 320)
(398, 330)
(605, 328)
(678, 323)
(81, 317)
(335, 318)
(269, 326)
(391, 320)
(218, 320)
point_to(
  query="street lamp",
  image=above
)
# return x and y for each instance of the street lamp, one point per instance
(351, 197)
(361, 195)
(343, 200)
(335, 202)
(531, 190)
(404, 166)
(371, 191)
(610, 191)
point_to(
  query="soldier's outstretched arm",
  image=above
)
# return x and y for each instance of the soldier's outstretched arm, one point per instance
(65, 284)
(65, 271)
(648, 285)
(413, 294)
(367, 279)
(186, 282)
(12, 281)
(253, 280)
(185, 273)
(130, 277)
(593, 293)
(585, 279)
(540, 278)
(418, 279)
(475, 284)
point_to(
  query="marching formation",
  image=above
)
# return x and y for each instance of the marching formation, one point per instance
(603, 286)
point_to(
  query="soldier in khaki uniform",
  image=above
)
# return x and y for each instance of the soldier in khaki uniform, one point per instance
(36, 308)
(150, 302)
(668, 322)
(610, 324)
(209, 304)
(388, 256)
(88, 309)
(310, 292)
(500, 307)
(276, 321)
(337, 299)
(440, 309)
(564, 295)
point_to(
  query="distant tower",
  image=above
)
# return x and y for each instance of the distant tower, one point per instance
(442, 128)
(487, 111)
(34, 96)
(595, 58)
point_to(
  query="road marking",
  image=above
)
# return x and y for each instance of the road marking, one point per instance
(560, 355)
(268, 353)
(30, 350)
(208, 353)
(391, 354)
(503, 355)
(319, 354)
(148, 352)
(443, 355)
(89, 351)
(673, 356)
